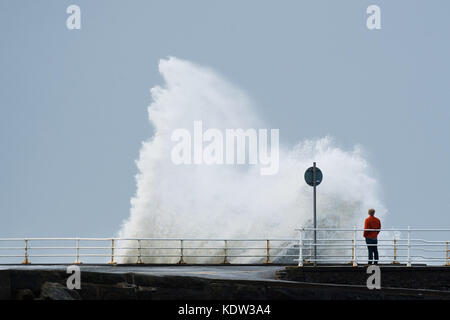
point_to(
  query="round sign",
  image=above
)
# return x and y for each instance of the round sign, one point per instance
(309, 176)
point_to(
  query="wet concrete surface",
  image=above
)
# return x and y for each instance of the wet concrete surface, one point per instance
(231, 272)
(203, 282)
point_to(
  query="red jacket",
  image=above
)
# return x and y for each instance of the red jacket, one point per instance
(372, 223)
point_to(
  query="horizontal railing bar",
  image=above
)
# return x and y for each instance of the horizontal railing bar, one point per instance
(59, 255)
(54, 248)
(145, 239)
(201, 248)
(384, 230)
(222, 248)
(371, 245)
(121, 255)
(392, 239)
(234, 240)
(11, 256)
(234, 248)
(284, 247)
(203, 240)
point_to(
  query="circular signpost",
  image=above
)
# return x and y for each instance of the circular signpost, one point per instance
(313, 177)
(309, 174)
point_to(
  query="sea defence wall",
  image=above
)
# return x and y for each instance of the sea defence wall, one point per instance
(25, 284)
(415, 277)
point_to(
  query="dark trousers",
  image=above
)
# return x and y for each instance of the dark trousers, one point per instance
(373, 250)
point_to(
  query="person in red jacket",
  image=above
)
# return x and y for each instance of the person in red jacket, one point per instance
(371, 236)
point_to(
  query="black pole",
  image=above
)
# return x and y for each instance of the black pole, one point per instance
(315, 219)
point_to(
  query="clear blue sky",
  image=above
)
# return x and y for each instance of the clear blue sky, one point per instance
(74, 103)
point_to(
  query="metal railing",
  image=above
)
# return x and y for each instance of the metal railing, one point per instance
(334, 246)
(349, 246)
(149, 250)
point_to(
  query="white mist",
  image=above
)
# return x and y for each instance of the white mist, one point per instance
(235, 201)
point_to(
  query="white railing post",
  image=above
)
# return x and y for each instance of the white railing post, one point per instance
(447, 260)
(300, 248)
(225, 253)
(112, 252)
(139, 259)
(354, 263)
(77, 251)
(395, 261)
(408, 264)
(181, 253)
(26, 261)
(267, 252)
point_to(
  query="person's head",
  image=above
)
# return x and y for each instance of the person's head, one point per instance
(371, 212)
